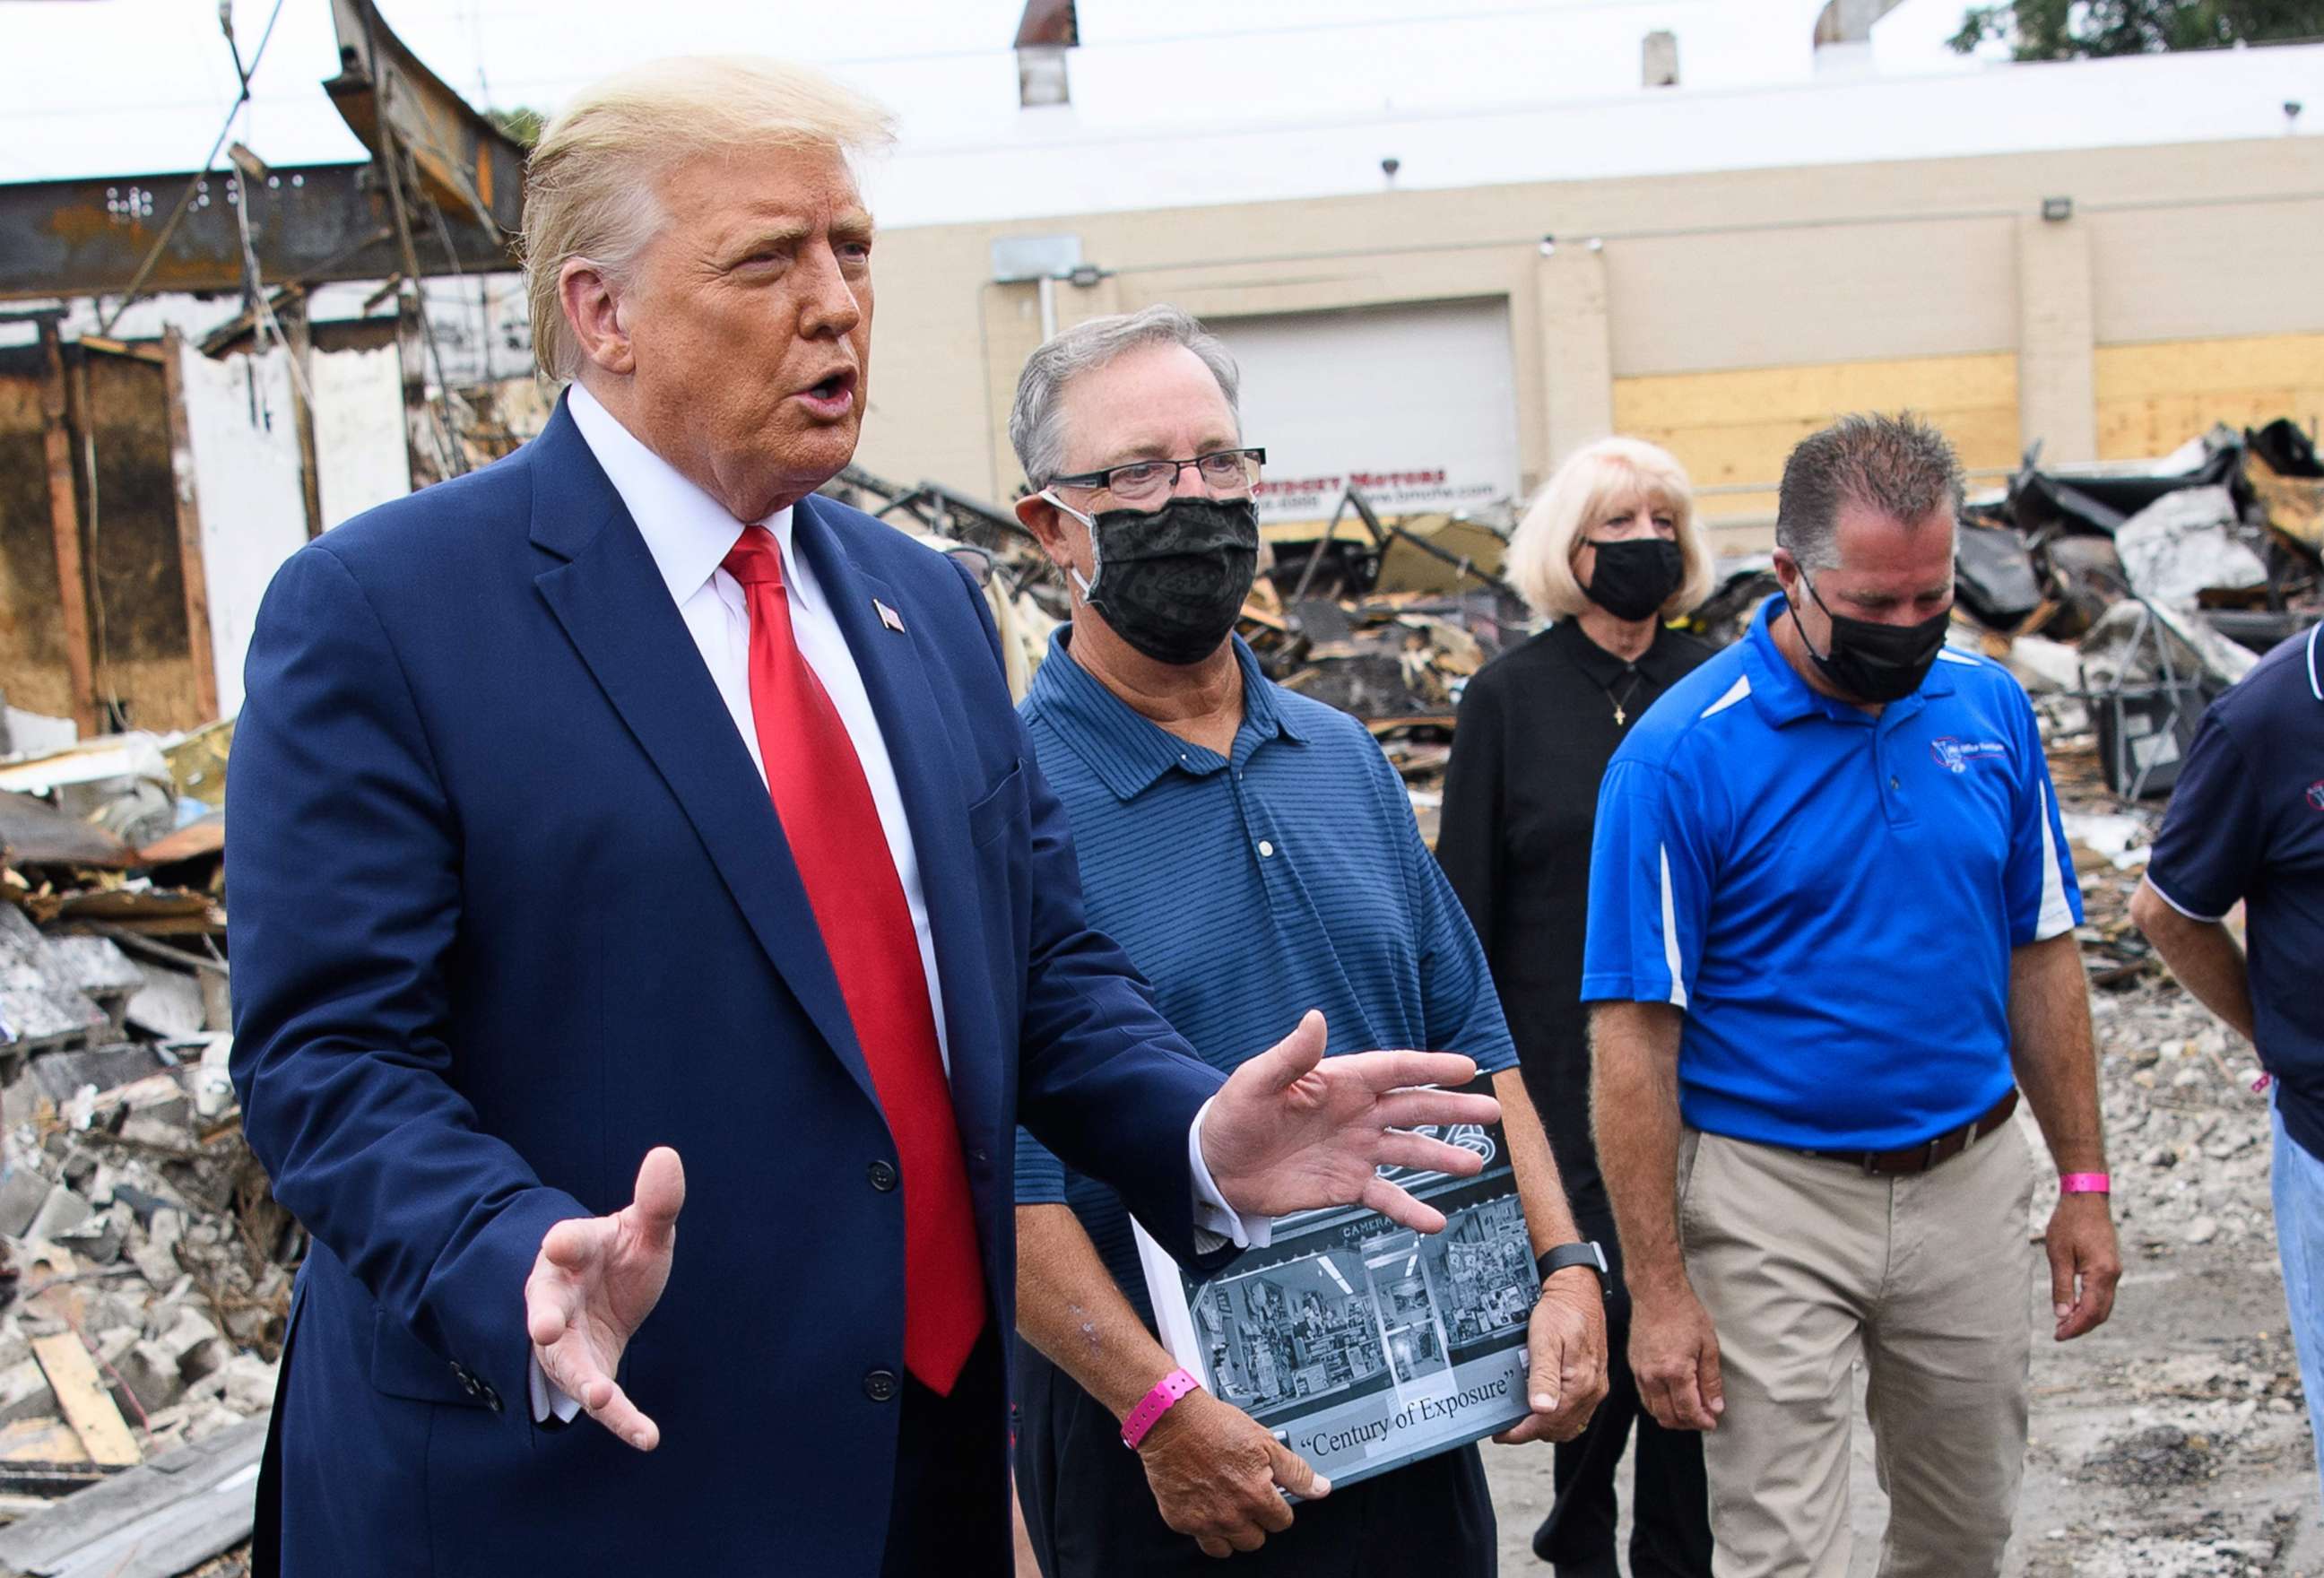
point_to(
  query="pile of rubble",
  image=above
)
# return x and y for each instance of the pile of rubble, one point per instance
(2145, 590)
(144, 1267)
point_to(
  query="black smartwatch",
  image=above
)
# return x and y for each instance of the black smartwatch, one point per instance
(1564, 1257)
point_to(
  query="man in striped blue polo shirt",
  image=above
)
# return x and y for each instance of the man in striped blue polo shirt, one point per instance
(1256, 856)
(1830, 940)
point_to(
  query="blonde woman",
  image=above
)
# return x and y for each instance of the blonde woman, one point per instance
(1609, 550)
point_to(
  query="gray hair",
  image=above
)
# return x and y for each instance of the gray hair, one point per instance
(1900, 465)
(1036, 417)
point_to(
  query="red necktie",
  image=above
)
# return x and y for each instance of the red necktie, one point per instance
(832, 827)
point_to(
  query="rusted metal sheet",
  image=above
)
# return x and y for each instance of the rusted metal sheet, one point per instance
(64, 525)
(314, 223)
(465, 163)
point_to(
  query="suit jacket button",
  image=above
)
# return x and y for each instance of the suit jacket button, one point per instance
(880, 1385)
(882, 1176)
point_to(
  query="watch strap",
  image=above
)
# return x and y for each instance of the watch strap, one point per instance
(1563, 1257)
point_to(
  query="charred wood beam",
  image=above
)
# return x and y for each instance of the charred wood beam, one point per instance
(64, 528)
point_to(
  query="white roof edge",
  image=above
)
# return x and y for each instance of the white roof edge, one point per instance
(1059, 169)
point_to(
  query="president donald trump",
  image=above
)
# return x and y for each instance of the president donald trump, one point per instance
(649, 924)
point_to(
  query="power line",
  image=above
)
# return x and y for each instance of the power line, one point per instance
(201, 174)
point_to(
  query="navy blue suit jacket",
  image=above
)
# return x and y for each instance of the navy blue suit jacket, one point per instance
(510, 907)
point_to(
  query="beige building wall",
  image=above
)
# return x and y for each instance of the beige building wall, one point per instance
(1724, 315)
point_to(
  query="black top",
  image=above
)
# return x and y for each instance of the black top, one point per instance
(1537, 726)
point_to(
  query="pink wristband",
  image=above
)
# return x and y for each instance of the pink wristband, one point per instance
(1155, 1404)
(2085, 1184)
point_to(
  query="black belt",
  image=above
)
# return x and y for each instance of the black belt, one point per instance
(1929, 1153)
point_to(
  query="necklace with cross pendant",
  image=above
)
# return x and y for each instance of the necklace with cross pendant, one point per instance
(1621, 703)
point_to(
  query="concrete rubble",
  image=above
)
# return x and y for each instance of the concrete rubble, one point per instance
(144, 1267)
(136, 1221)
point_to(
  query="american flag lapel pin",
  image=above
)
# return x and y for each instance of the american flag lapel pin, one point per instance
(888, 616)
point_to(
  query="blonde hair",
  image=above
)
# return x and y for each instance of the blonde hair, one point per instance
(1586, 488)
(590, 184)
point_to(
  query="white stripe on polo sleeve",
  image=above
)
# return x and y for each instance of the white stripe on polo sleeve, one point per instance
(2057, 916)
(1670, 933)
(2164, 894)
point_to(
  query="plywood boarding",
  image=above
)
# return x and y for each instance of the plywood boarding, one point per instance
(146, 664)
(2153, 398)
(34, 672)
(128, 542)
(1733, 429)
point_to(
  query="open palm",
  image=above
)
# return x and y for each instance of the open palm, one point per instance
(1294, 1130)
(594, 1282)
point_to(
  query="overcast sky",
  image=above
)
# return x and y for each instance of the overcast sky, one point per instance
(137, 87)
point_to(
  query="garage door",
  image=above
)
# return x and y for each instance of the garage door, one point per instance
(1416, 404)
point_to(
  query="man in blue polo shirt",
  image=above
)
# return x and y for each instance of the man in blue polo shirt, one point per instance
(2246, 826)
(1256, 856)
(1830, 940)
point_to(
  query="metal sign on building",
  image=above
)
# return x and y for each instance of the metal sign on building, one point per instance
(1413, 405)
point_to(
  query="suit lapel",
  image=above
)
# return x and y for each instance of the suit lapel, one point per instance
(894, 667)
(611, 600)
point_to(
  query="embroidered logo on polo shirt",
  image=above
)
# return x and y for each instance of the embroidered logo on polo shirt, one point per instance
(1955, 755)
(2315, 795)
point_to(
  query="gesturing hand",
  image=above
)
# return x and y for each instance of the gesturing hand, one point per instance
(1565, 1359)
(597, 1279)
(1214, 1471)
(1294, 1130)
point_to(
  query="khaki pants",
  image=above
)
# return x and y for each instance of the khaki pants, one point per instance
(1807, 1265)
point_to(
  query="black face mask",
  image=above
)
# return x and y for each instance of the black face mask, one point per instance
(1172, 581)
(1634, 575)
(1873, 662)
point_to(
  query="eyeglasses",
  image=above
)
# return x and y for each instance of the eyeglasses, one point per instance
(1138, 481)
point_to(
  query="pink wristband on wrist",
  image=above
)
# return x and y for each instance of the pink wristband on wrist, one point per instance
(2085, 1184)
(1155, 1404)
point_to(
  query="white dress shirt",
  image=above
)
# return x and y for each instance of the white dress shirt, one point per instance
(688, 534)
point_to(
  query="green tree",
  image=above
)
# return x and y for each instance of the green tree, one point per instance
(520, 126)
(2066, 29)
